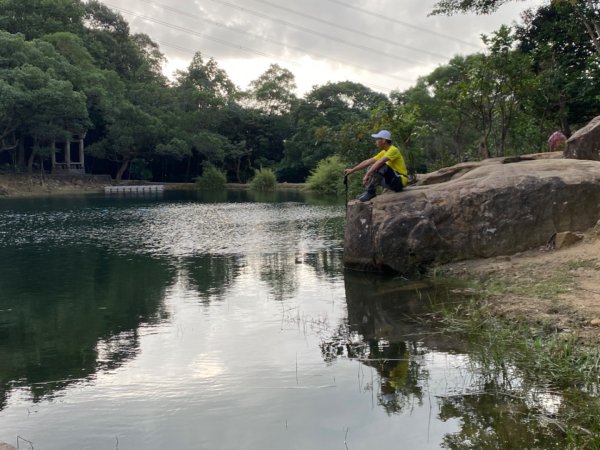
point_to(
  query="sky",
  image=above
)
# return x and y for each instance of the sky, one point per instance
(383, 44)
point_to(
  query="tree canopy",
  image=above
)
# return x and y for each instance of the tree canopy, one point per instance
(70, 68)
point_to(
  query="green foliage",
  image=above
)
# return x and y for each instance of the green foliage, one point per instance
(319, 120)
(211, 179)
(70, 67)
(450, 7)
(272, 92)
(328, 177)
(264, 180)
(35, 18)
(139, 170)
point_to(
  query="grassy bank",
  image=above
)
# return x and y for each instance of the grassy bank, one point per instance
(524, 355)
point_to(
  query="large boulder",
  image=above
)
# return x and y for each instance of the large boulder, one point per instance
(499, 207)
(585, 142)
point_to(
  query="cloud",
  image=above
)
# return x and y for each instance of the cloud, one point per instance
(383, 44)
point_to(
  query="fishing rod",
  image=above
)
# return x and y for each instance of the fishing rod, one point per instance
(346, 189)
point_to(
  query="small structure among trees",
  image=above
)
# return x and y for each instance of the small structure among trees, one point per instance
(68, 165)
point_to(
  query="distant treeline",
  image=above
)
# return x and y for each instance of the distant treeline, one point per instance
(70, 69)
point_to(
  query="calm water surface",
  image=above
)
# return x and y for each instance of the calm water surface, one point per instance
(222, 322)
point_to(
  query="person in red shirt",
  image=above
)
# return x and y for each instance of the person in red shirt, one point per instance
(557, 141)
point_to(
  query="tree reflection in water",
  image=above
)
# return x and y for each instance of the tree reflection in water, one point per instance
(79, 312)
(497, 420)
(496, 408)
(380, 335)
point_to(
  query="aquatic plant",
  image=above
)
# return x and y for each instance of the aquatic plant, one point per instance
(211, 179)
(263, 180)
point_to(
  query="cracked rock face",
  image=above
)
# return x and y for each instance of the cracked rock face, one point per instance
(497, 207)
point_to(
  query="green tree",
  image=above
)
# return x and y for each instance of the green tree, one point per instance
(132, 133)
(39, 103)
(486, 93)
(586, 11)
(566, 66)
(272, 92)
(134, 58)
(318, 120)
(35, 18)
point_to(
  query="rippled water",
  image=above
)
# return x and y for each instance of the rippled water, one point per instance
(196, 322)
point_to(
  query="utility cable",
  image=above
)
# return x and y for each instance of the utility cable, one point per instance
(306, 30)
(196, 33)
(271, 41)
(187, 50)
(249, 50)
(351, 30)
(326, 36)
(396, 21)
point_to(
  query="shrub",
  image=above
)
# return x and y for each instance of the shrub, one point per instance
(263, 180)
(211, 178)
(328, 177)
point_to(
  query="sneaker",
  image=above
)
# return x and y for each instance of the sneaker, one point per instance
(366, 196)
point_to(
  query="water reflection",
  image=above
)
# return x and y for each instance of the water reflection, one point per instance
(157, 309)
(381, 335)
(497, 409)
(86, 273)
(498, 421)
(67, 313)
(251, 196)
(209, 276)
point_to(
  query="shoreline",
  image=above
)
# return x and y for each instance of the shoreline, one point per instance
(35, 185)
(556, 290)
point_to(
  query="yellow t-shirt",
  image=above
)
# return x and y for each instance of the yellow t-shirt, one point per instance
(395, 161)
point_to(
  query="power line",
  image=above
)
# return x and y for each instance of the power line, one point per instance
(396, 21)
(187, 30)
(298, 27)
(223, 42)
(187, 50)
(245, 49)
(352, 30)
(298, 49)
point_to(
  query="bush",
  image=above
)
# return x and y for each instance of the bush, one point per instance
(211, 178)
(328, 177)
(263, 180)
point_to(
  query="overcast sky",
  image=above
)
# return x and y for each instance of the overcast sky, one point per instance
(383, 44)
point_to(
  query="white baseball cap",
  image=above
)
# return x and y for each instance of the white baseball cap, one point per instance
(383, 134)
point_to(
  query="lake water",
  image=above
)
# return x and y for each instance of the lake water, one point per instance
(225, 322)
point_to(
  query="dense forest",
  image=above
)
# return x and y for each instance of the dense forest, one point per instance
(70, 69)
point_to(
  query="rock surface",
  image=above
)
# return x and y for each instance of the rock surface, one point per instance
(5, 446)
(497, 207)
(585, 142)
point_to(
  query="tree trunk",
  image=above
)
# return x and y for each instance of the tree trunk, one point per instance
(122, 169)
(593, 29)
(564, 116)
(238, 166)
(41, 169)
(21, 153)
(188, 168)
(30, 159)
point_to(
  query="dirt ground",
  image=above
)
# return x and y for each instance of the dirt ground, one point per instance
(36, 185)
(559, 289)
